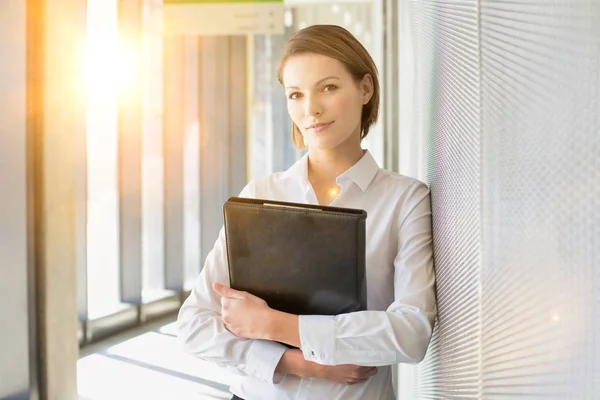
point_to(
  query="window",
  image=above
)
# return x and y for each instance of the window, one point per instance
(102, 159)
(153, 249)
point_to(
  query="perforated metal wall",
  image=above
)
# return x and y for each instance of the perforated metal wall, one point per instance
(540, 200)
(448, 73)
(507, 101)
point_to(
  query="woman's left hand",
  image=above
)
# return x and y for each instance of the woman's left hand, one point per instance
(244, 314)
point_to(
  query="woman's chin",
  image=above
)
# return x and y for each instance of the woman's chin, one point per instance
(322, 145)
(321, 141)
(325, 143)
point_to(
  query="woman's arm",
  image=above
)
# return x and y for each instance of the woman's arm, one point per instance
(248, 316)
(293, 362)
(201, 329)
(400, 334)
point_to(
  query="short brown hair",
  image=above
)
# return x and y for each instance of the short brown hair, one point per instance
(335, 42)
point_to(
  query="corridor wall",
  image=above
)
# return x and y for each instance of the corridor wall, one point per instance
(499, 114)
(16, 348)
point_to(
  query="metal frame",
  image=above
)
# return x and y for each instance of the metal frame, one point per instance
(34, 39)
(61, 125)
(390, 102)
(19, 347)
(390, 84)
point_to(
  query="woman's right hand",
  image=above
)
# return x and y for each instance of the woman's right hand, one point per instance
(347, 374)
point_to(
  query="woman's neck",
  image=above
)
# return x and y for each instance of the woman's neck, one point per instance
(324, 166)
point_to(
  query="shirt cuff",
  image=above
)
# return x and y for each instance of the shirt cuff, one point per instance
(317, 338)
(262, 360)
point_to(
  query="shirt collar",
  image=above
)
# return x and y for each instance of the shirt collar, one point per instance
(362, 173)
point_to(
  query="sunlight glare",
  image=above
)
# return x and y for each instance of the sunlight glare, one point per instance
(111, 65)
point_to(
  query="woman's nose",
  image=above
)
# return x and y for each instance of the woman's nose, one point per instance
(312, 108)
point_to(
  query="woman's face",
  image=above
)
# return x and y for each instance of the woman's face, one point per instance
(324, 100)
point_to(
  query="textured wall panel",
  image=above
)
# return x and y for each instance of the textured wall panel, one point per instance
(540, 199)
(506, 99)
(447, 77)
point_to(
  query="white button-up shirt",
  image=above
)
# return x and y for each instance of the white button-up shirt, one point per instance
(397, 326)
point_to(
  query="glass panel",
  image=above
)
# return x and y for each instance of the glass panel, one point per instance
(153, 249)
(270, 130)
(191, 167)
(102, 163)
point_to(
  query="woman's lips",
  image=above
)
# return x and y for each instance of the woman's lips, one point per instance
(317, 128)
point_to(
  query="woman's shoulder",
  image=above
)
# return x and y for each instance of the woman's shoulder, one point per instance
(395, 180)
(401, 192)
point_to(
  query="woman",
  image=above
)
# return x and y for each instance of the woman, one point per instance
(332, 94)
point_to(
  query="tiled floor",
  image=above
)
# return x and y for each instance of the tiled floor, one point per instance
(148, 364)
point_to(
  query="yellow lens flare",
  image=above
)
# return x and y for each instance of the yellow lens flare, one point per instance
(113, 62)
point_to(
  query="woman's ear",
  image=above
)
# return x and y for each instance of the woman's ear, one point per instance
(366, 85)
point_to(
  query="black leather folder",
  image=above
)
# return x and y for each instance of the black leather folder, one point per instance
(301, 259)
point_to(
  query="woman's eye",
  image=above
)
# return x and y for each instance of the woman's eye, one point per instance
(329, 88)
(294, 96)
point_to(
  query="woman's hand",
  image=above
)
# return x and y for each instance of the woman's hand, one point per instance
(347, 374)
(293, 362)
(244, 314)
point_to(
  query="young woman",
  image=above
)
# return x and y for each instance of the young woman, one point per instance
(332, 94)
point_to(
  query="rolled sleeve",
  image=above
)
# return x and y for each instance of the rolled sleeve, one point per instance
(317, 338)
(262, 360)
